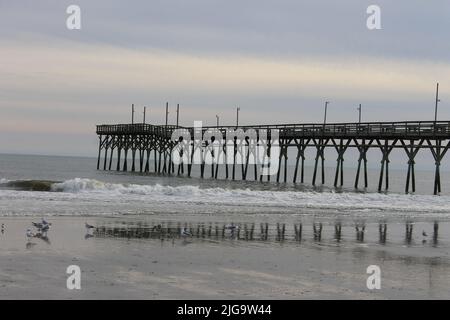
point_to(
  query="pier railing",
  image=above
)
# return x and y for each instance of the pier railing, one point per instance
(409, 136)
(404, 129)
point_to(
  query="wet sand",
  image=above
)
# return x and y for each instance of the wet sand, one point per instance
(126, 259)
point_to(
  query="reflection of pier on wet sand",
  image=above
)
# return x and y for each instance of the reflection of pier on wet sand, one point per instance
(275, 232)
(270, 257)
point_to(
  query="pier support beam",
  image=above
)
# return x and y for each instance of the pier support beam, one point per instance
(100, 143)
(438, 152)
(301, 146)
(362, 148)
(119, 151)
(341, 148)
(133, 157)
(386, 150)
(411, 152)
(283, 154)
(320, 146)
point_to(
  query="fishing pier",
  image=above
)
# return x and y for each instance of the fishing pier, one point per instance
(152, 146)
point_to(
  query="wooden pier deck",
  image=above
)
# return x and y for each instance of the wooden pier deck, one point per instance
(410, 136)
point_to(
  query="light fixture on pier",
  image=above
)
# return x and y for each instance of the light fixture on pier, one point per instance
(359, 110)
(237, 115)
(325, 115)
(437, 102)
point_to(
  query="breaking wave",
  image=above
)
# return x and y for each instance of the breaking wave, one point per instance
(238, 197)
(300, 199)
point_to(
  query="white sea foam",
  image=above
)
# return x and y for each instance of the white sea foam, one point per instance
(247, 197)
(3, 181)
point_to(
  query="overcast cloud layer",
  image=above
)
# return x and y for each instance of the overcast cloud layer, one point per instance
(278, 60)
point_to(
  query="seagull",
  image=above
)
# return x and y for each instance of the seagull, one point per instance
(185, 233)
(42, 225)
(232, 227)
(88, 226)
(29, 234)
(158, 227)
(38, 225)
(45, 229)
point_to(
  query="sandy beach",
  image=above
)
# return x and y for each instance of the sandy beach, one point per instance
(120, 264)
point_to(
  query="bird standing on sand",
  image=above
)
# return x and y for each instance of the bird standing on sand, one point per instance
(233, 228)
(37, 225)
(45, 229)
(42, 225)
(185, 233)
(89, 227)
(29, 234)
(157, 228)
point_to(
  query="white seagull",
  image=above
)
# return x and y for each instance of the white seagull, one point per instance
(45, 229)
(232, 227)
(38, 225)
(42, 225)
(185, 233)
(29, 234)
(89, 227)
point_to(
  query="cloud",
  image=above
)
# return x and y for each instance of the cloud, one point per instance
(71, 69)
(278, 62)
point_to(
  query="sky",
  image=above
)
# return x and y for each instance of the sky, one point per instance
(279, 61)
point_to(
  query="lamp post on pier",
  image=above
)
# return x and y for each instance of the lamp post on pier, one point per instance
(237, 116)
(437, 102)
(325, 114)
(145, 109)
(359, 110)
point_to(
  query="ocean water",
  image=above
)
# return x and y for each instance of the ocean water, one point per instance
(342, 231)
(50, 185)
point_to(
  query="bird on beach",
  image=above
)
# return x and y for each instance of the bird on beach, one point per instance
(42, 225)
(29, 234)
(88, 229)
(88, 226)
(185, 233)
(231, 227)
(42, 229)
(45, 229)
(157, 228)
(37, 225)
